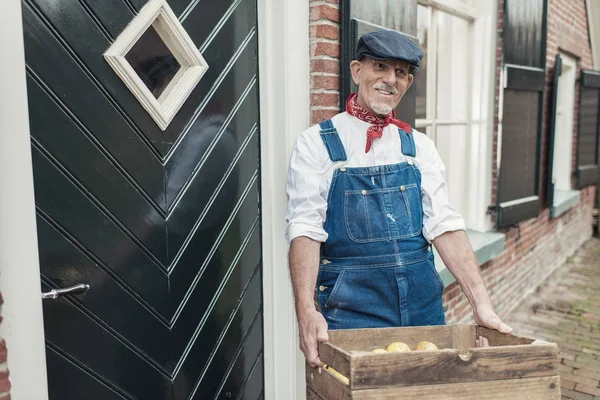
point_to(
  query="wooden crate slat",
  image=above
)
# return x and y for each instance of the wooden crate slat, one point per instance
(311, 395)
(325, 385)
(447, 366)
(545, 388)
(372, 338)
(502, 339)
(463, 337)
(335, 357)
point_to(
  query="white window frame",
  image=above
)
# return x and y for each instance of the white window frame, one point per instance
(563, 135)
(158, 14)
(482, 17)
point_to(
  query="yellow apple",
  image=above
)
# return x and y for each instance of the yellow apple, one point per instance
(398, 347)
(425, 345)
(380, 351)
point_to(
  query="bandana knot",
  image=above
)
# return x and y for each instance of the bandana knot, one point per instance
(375, 131)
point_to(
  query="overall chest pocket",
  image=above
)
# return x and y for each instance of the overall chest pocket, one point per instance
(383, 214)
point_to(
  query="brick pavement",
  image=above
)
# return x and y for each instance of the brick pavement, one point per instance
(565, 309)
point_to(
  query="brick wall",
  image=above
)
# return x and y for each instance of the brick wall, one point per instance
(4, 382)
(324, 59)
(535, 248)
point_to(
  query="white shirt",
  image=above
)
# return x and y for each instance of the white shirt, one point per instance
(310, 173)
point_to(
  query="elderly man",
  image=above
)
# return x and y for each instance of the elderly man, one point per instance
(366, 198)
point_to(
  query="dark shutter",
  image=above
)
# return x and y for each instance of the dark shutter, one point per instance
(587, 142)
(550, 187)
(524, 76)
(362, 16)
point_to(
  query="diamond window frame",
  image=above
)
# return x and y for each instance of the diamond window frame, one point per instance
(158, 14)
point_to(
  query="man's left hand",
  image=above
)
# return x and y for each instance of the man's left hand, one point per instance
(485, 316)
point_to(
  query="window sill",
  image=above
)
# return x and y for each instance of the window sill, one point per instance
(563, 201)
(486, 246)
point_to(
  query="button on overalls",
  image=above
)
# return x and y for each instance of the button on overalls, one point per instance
(376, 268)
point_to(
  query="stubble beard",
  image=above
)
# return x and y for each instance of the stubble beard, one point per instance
(381, 109)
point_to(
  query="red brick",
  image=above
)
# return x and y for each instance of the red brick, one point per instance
(4, 385)
(325, 32)
(322, 115)
(327, 49)
(325, 99)
(327, 66)
(325, 12)
(326, 82)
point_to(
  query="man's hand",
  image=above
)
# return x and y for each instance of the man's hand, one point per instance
(313, 329)
(485, 316)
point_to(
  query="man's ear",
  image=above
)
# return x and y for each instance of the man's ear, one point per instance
(411, 78)
(355, 67)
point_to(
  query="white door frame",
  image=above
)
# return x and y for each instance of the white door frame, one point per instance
(22, 327)
(284, 73)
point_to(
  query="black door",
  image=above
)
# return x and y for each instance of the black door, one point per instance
(162, 225)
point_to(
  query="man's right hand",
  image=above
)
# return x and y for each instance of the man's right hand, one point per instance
(313, 329)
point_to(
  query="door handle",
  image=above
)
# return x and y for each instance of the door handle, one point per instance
(56, 293)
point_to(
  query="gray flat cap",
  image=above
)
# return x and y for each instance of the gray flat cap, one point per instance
(389, 45)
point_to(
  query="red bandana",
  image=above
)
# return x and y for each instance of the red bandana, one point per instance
(377, 123)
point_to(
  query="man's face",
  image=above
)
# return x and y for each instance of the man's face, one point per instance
(381, 84)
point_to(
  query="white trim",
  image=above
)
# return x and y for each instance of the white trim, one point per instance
(439, 122)
(23, 327)
(593, 19)
(454, 7)
(158, 14)
(481, 138)
(283, 27)
(516, 202)
(431, 100)
(564, 117)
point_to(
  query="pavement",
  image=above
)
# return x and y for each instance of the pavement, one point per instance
(565, 309)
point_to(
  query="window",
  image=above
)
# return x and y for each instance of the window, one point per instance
(447, 84)
(560, 195)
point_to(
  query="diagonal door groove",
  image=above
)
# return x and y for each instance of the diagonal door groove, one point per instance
(206, 99)
(140, 353)
(90, 196)
(94, 140)
(205, 317)
(213, 197)
(88, 371)
(97, 22)
(186, 12)
(214, 143)
(257, 364)
(220, 25)
(238, 352)
(42, 214)
(75, 57)
(130, 6)
(247, 190)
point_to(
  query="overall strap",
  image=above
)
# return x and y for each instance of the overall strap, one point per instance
(332, 141)
(407, 140)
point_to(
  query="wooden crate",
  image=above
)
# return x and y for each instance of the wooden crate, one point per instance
(511, 368)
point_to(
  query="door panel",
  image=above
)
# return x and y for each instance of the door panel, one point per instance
(52, 65)
(81, 384)
(84, 37)
(163, 226)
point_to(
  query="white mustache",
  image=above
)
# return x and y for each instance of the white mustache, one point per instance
(387, 88)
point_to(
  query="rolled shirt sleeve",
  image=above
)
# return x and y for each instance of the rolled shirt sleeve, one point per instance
(306, 192)
(439, 215)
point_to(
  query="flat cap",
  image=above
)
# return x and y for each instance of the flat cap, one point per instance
(389, 45)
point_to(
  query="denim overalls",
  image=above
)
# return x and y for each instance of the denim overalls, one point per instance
(376, 267)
